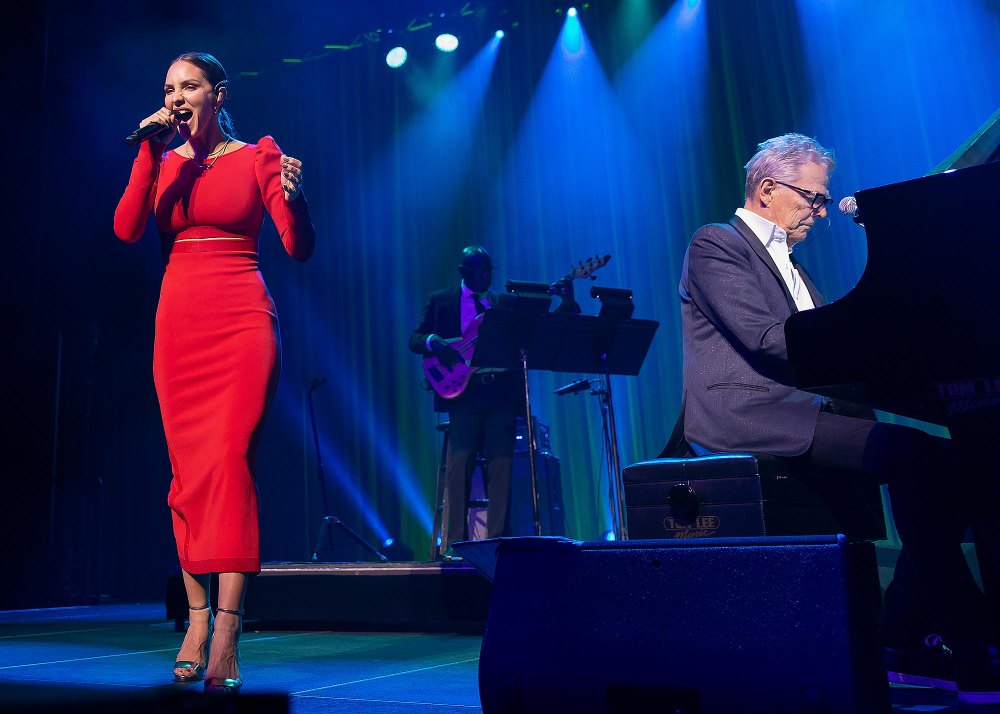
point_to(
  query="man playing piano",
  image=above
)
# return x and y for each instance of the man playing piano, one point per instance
(739, 283)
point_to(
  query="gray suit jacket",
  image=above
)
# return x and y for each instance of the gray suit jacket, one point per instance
(738, 388)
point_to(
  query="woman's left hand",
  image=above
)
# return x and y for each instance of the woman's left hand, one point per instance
(291, 177)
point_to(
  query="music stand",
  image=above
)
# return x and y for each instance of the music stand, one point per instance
(501, 343)
(563, 342)
(596, 345)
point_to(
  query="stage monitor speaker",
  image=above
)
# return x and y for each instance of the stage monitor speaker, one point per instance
(711, 626)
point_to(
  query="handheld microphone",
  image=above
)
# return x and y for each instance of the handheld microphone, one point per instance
(849, 207)
(144, 133)
(577, 386)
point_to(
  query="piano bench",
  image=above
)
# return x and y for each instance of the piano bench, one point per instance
(733, 495)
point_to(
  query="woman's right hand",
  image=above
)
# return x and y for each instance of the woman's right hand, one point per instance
(165, 117)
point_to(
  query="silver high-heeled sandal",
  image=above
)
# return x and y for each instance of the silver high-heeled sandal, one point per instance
(193, 671)
(226, 685)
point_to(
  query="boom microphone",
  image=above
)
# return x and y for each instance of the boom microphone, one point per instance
(143, 133)
(577, 386)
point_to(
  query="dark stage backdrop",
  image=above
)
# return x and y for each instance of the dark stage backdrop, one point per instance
(618, 132)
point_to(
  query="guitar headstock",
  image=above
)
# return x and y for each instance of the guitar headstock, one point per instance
(585, 269)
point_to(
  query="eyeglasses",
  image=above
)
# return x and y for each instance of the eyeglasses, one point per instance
(816, 199)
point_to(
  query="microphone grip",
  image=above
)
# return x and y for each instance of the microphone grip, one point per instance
(144, 132)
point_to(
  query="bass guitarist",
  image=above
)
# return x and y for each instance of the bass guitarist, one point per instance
(484, 413)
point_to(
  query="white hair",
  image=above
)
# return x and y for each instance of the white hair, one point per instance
(782, 157)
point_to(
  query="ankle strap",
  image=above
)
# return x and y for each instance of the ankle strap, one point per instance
(202, 607)
(238, 613)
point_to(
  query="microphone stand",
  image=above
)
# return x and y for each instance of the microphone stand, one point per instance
(616, 494)
(615, 483)
(329, 522)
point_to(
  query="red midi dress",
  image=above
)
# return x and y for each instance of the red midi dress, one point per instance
(216, 354)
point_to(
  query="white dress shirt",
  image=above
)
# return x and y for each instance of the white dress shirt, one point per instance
(774, 240)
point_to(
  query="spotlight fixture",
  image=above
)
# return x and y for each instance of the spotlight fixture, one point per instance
(571, 12)
(396, 57)
(498, 34)
(446, 42)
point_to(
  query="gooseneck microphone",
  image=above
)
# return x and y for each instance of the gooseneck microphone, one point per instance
(144, 133)
(849, 207)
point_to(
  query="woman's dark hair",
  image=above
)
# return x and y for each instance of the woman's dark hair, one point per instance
(216, 74)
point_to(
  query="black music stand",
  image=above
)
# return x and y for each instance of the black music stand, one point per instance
(562, 342)
(595, 345)
(502, 343)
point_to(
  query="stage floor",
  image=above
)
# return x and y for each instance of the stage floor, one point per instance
(121, 650)
(58, 659)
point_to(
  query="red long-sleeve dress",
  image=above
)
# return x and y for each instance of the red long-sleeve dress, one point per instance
(216, 355)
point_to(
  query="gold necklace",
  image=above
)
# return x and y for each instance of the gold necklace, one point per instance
(217, 153)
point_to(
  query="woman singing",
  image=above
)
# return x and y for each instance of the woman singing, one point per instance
(216, 355)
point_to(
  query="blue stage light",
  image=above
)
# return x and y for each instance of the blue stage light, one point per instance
(396, 57)
(572, 35)
(609, 535)
(498, 34)
(388, 542)
(446, 42)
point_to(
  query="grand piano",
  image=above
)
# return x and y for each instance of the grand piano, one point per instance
(919, 335)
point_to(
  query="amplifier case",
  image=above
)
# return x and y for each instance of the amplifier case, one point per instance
(733, 495)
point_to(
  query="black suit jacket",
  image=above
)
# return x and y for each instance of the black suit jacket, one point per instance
(442, 316)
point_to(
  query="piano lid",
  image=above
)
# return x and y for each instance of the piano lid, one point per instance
(983, 146)
(919, 335)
